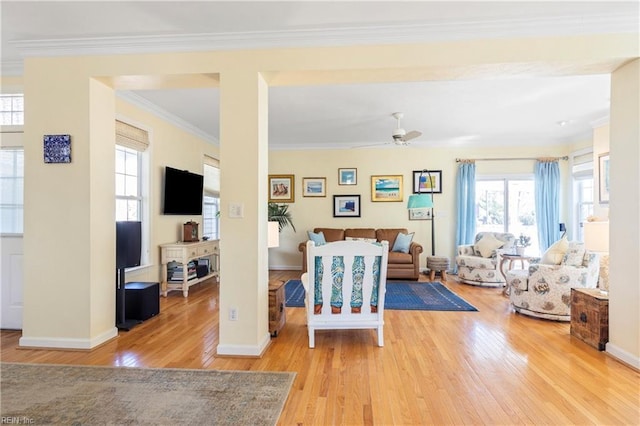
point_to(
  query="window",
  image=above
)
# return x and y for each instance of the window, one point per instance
(128, 184)
(507, 205)
(132, 179)
(12, 110)
(210, 219)
(11, 190)
(211, 201)
(583, 190)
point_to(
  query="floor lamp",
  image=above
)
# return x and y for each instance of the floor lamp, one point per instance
(424, 201)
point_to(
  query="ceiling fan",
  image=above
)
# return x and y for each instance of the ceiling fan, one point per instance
(401, 136)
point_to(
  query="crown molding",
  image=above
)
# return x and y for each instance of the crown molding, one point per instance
(165, 115)
(11, 68)
(391, 34)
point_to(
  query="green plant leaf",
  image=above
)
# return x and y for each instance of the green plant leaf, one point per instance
(280, 213)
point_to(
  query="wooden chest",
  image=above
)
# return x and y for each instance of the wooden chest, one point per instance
(277, 313)
(590, 316)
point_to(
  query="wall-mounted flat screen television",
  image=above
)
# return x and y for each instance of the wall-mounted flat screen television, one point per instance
(182, 192)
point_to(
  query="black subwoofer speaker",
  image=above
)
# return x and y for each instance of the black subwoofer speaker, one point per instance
(142, 300)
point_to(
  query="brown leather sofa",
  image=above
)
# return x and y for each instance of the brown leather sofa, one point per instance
(400, 266)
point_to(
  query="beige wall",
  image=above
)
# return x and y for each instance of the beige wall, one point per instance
(311, 212)
(624, 291)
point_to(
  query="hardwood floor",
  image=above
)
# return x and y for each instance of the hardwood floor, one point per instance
(487, 367)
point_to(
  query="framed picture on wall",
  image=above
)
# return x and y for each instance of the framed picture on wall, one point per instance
(314, 187)
(386, 188)
(420, 214)
(422, 183)
(57, 148)
(603, 177)
(347, 176)
(346, 206)
(281, 189)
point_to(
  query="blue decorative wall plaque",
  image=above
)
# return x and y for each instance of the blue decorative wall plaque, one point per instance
(57, 148)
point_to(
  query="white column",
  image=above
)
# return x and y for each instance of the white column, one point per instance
(624, 214)
(244, 274)
(69, 233)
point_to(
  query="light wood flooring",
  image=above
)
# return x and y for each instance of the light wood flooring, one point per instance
(462, 368)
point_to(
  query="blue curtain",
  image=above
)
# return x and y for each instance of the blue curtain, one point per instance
(547, 193)
(465, 204)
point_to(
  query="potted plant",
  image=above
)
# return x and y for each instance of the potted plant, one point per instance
(280, 213)
(522, 243)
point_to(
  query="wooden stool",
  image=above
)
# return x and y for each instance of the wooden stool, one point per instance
(437, 264)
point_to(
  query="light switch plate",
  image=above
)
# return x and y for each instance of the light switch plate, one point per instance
(236, 210)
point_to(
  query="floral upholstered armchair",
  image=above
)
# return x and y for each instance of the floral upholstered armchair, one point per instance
(544, 290)
(478, 263)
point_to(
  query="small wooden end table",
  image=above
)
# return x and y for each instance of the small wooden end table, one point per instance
(590, 316)
(511, 258)
(277, 313)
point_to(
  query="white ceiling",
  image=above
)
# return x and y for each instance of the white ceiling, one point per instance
(491, 111)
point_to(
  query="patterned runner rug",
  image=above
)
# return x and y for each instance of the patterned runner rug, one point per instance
(89, 395)
(401, 295)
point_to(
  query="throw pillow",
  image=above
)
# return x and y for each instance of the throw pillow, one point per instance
(318, 238)
(574, 254)
(487, 245)
(554, 254)
(402, 243)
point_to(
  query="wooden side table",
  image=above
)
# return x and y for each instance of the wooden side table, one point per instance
(277, 313)
(590, 316)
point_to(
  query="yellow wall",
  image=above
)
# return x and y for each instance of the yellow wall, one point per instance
(311, 212)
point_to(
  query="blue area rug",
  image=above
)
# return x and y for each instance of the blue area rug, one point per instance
(401, 295)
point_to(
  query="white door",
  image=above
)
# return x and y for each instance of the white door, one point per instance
(12, 282)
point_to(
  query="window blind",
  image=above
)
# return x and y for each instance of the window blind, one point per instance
(131, 137)
(210, 161)
(211, 180)
(582, 165)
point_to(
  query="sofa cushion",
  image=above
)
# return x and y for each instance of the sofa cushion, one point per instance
(574, 255)
(555, 253)
(402, 243)
(487, 245)
(331, 234)
(360, 233)
(389, 234)
(396, 257)
(317, 238)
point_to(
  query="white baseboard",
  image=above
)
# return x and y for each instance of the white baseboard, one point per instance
(67, 343)
(622, 355)
(285, 268)
(245, 350)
